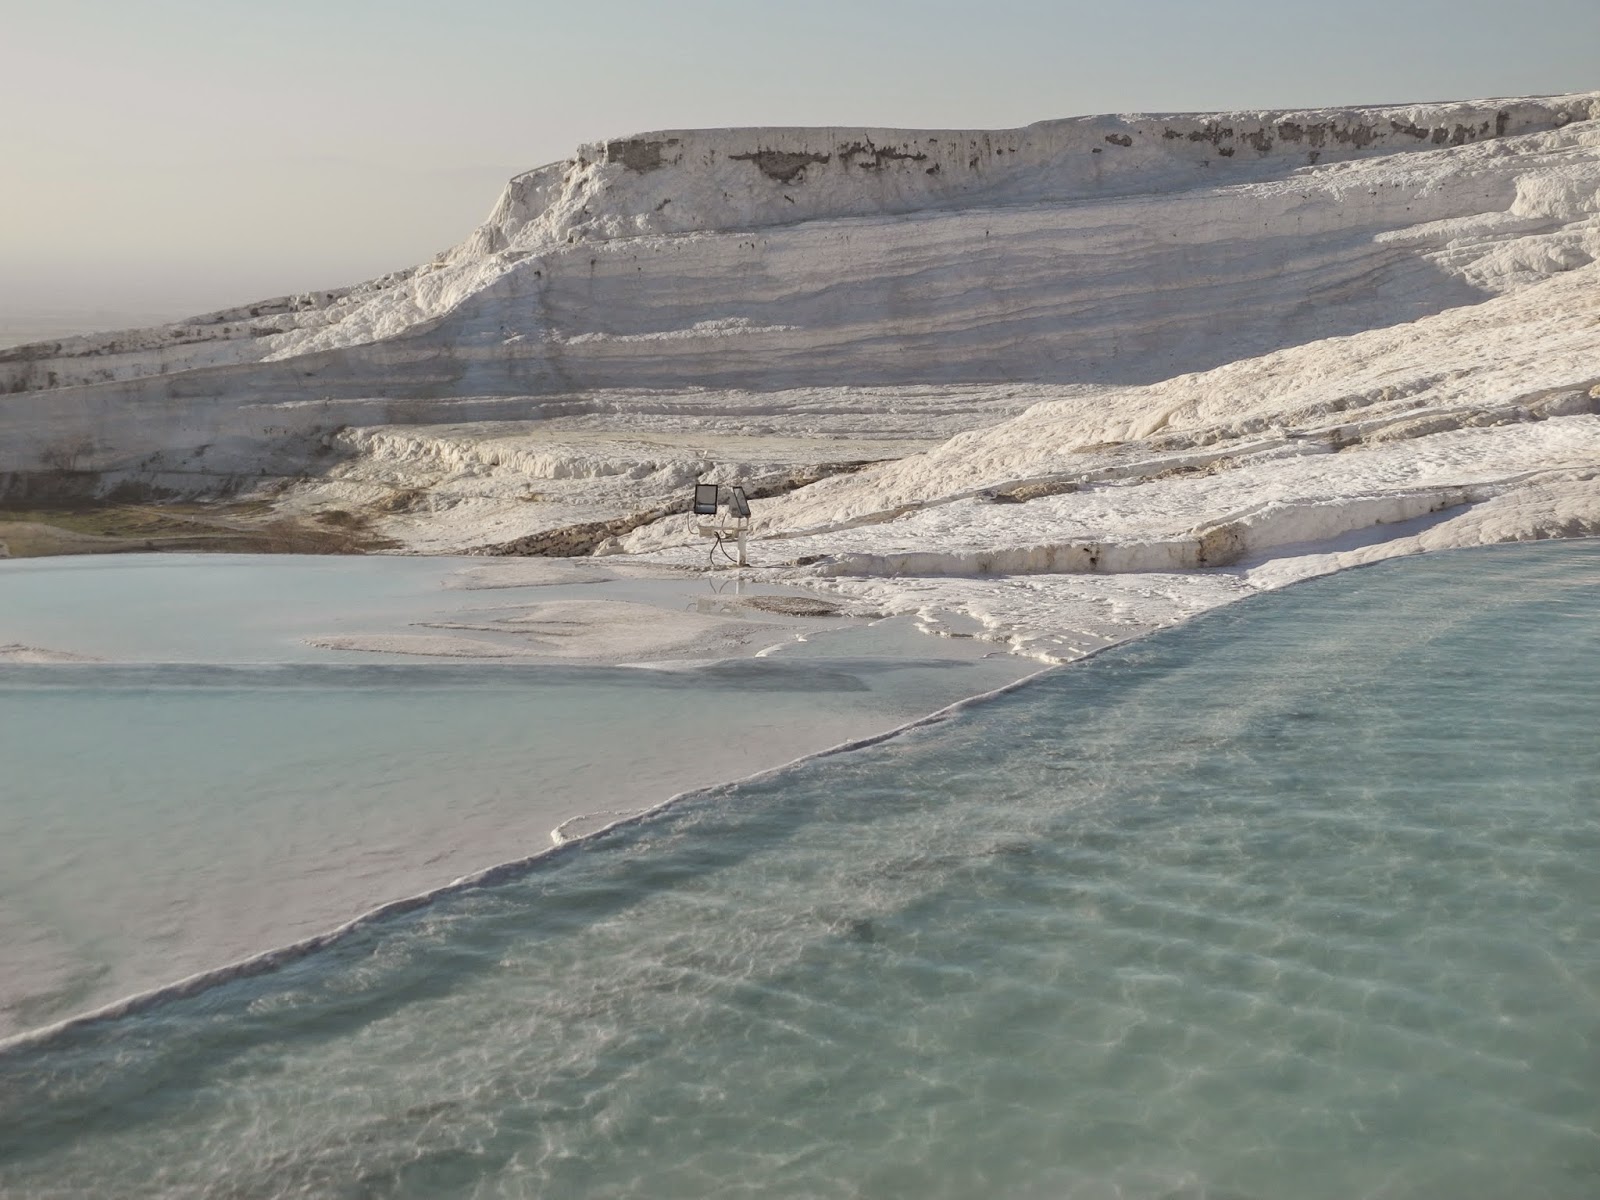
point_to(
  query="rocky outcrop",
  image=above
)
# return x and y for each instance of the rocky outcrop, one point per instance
(688, 180)
(1101, 251)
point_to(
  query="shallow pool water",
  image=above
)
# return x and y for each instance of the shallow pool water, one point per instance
(1301, 900)
(273, 608)
(226, 788)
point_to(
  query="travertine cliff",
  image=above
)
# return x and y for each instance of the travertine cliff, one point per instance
(772, 301)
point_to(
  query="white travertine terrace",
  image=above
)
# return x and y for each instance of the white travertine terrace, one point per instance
(1118, 368)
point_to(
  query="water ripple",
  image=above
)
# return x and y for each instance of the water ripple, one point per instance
(1299, 901)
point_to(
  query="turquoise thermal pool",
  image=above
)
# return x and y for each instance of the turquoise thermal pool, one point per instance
(1299, 900)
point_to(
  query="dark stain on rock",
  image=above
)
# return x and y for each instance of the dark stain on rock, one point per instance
(865, 154)
(786, 166)
(639, 154)
(1211, 132)
(1502, 122)
(1260, 139)
(1352, 135)
(1462, 134)
(1119, 139)
(933, 170)
(1169, 134)
(1225, 151)
(1317, 134)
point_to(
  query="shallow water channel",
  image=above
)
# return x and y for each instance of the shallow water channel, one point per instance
(219, 786)
(1299, 900)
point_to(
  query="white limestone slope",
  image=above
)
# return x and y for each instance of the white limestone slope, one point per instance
(565, 217)
(1133, 364)
(1109, 515)
(1099, 248)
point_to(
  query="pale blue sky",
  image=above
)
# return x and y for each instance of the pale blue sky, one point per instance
(176, 155)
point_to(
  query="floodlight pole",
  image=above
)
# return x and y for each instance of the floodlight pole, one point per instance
(729, 510)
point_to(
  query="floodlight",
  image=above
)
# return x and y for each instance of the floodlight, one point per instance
(737, 504)
(705, 499)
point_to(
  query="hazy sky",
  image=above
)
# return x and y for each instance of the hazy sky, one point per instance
(177, 155)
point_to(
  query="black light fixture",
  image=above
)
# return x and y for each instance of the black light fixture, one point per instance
(705, 499)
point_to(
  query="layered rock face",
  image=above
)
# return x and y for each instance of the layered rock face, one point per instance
(778, 303)
(689, 180)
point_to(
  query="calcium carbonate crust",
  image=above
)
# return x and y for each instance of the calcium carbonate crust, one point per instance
(1053, 386)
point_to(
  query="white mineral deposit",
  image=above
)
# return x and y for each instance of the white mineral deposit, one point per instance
(588, 863)
(1054, 385)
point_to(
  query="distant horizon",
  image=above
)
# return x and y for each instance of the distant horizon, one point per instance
(178, 157)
